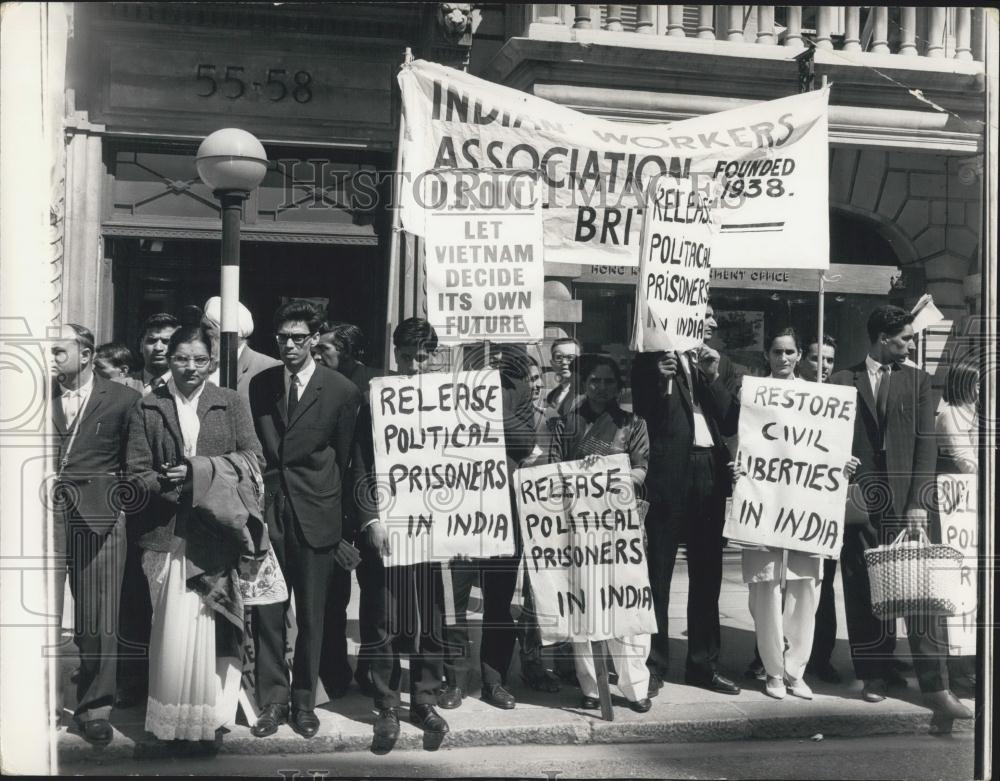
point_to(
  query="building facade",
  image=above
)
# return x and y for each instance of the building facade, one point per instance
(317, 84)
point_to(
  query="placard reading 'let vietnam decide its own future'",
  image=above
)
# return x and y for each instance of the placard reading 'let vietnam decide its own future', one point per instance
(485, 279)
(674, 268)
(441, 466)
(583, 550)
(795, 438)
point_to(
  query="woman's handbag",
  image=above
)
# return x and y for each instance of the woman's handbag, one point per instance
(914, 578)
(261, 581)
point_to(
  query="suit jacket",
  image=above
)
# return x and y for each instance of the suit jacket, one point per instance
(155, 439)
(569, 400)
(90, 469)
(670, 421)
(910, 446)
(250, 364)
(308, 455)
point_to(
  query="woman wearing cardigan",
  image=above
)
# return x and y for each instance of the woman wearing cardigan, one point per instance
(191, 541)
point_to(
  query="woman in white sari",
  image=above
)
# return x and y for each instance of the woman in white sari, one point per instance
(194, 657)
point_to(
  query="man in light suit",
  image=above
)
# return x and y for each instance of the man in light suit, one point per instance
(90, 417)
(894, 441)
(249, 362)
(304, 415)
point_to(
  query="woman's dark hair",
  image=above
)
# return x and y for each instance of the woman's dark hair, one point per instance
(117, 353)
(777, 334)
(962, 382)
(585, 364)
(298, 312)
(189, 334)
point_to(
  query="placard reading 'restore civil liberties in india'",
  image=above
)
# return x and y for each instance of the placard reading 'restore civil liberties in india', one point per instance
(795, 438)
(443, 487)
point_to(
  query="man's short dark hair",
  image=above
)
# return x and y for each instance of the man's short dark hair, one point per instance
(116, 353)
(346, 337)
(298, 312)
(84, 336)
(158, 322)
(887, 319)
(415, 332)
(828, 341)
(565, 340)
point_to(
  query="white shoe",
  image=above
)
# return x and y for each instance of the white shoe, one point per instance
(799, 688)
(775, 687)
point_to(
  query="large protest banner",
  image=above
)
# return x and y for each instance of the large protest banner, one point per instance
(674, 268)
(485, 275)
(583, 550)
(765, 164)
(958, 509)
(794, 439)
(443, 487)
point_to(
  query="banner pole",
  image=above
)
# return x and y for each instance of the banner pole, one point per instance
(819, 330)
(392, 304)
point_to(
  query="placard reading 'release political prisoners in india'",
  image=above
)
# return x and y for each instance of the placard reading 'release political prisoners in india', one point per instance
(795, 438)
(583, 550)
(485, 279)
(443, 487)
(958, 507)
(674, 268)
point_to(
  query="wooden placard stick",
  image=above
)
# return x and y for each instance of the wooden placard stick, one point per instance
(599, 649)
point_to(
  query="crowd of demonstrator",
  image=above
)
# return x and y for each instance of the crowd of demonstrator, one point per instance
(168, 484)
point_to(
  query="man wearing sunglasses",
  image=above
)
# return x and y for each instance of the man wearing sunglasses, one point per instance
(304, 415)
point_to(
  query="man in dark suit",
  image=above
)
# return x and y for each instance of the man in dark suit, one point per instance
(249, 362)
(894, 441)
(562, 397)
(90, 416)
(156, 333)
(304, 415)
(688, 409)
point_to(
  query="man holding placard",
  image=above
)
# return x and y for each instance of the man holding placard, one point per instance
(688, 409)
(893, 440)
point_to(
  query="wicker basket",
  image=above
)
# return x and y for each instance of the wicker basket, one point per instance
(914, 578)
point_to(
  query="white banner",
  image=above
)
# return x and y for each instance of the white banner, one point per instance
(443, 488)
(766, 163)
(485, 276)
(794, 439)
(957, 506)
(674, 268)
(583, 550)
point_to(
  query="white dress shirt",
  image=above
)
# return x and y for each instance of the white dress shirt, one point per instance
(702, 433)
(75, 400)
(874, 374)
(304, 374)
(187, 416)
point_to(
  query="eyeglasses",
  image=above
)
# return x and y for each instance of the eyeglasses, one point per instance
(297, 339)
(199, 363)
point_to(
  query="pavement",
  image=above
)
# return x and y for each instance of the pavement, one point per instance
(680, 713)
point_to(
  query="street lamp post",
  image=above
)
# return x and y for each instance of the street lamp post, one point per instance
(233, 163)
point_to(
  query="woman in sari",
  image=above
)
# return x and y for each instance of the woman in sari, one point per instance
(191, 563)
(788, 613)
(597, 426)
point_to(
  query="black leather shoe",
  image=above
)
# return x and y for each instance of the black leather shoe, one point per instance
(590, 703)
(641, 706)
(716, 683)
(874, 690)
(428, 719)
(755, 671)
(497, 695)
(450, 697)
(272, 717)
(538, 678)
(305, 722)
(96, 731)
(825, 671)
(655, 684)
(386, 727)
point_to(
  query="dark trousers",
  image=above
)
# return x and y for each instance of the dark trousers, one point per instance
(873, 641)
(529, 635)
(825, 635)
(135, 621)
(311, 575)
(334, 669)
(402, 617)
(497, 578)
(694, 518)
(96, 561)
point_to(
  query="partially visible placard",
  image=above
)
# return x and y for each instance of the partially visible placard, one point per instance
(957, 507)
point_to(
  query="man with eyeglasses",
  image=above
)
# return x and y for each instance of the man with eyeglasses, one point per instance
(563, 396)
(304, 415)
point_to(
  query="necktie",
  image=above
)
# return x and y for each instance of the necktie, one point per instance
(882, 398)
(293, 395)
